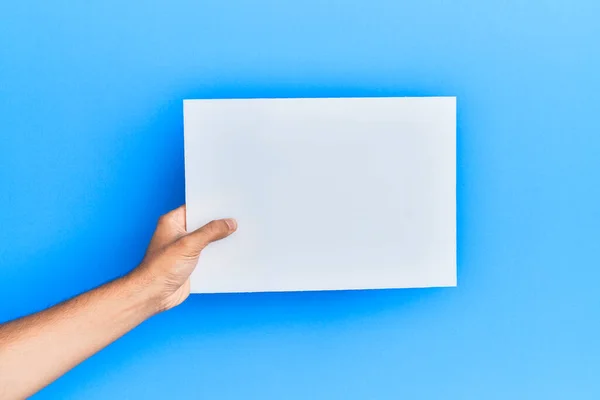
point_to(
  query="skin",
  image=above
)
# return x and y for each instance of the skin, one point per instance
(37, 349)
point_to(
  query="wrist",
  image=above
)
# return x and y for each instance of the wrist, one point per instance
(144, 290)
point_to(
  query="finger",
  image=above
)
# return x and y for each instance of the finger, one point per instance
(173, 219)
(170, 226)
(196, 241)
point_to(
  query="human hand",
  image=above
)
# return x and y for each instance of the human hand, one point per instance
(172, 256)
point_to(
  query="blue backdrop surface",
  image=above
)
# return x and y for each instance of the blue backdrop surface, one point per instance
(91, 153)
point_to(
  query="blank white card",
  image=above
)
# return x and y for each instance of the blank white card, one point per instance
(329, 194)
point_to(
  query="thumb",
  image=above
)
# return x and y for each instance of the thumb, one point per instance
(193, 243)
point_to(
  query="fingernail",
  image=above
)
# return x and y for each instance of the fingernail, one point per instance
(231, 223)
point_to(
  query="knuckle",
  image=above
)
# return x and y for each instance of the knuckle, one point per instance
(189, 247)
(216, 226)
(169, 219)
(186, 242)
(211, 228)
(163, 219)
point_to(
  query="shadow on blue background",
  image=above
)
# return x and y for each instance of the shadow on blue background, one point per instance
(91, 153)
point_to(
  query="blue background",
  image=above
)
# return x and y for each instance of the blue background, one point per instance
(91, 153)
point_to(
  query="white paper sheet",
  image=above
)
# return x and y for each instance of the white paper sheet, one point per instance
(329, 194)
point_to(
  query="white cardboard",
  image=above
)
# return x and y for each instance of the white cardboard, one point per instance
(329, 194)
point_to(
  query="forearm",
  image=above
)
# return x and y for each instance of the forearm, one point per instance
(37, 349)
